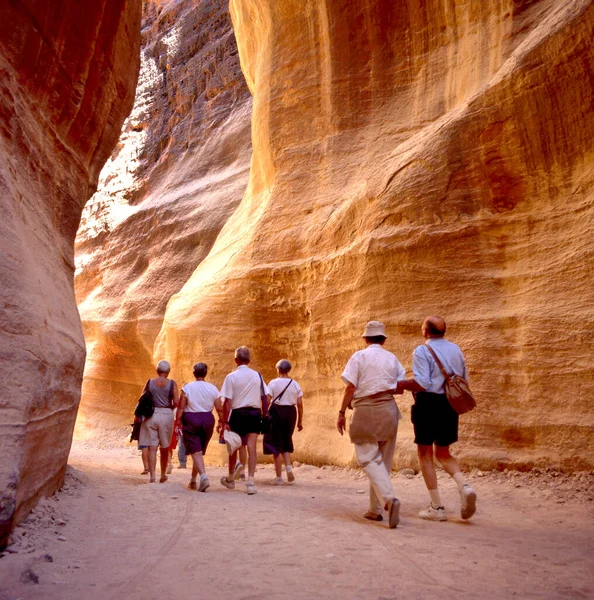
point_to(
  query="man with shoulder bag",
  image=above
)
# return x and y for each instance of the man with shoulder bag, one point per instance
(441, 391)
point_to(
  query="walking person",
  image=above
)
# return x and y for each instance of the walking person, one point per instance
(158, 430)
(371, 377)
(197, 422)
(286, 410)
(245, 397)
(435, 422)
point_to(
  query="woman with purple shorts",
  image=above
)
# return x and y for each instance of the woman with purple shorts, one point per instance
(194, 414)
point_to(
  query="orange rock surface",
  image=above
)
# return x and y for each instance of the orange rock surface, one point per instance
(178, 173)
(408, 158)
(67, 78)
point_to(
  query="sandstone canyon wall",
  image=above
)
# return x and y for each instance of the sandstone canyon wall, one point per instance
(177, 174)
(408, 158)
(412, 158)
(67, 77)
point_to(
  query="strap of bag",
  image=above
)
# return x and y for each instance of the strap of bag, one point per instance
(170, 396)
(281, 394)
(445, 373)
(263, 393)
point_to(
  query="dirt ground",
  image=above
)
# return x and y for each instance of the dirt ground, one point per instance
(111, 534)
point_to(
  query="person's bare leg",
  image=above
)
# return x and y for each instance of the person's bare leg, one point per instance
(232, 461)
(451, 466)
(145, 460)
(448, 462)
(427, 466)
(243, 455)
(164, 459)
(152, 460)
(288, 467)
(198, 465)
(278, 465)
(252, 440)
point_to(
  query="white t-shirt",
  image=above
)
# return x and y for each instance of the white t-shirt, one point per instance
(201, 396)
(373, 370)
(242, 387)
(289, 398)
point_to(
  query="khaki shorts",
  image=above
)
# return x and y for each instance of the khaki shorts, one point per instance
(158, 430)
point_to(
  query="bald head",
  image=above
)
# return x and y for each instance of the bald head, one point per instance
(434, 327)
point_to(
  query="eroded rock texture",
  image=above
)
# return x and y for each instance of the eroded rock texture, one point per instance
(178, 173)
(414, 158)
(67, 77)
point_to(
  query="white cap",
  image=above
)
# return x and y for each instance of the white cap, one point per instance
(374, 328)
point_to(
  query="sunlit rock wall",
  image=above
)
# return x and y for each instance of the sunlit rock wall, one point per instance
(412, 158)
(177, 174)
(67, 78)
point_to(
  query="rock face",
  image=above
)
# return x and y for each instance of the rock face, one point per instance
(68, 74)
(409, 158)
(177, 174)
(414, 158)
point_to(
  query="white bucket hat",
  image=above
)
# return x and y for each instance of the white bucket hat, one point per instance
(232, 441)
(374, 328)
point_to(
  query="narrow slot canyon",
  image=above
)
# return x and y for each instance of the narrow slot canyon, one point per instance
(183, 177)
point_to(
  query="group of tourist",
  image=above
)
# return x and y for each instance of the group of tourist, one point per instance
(241, 405)
(373, 376)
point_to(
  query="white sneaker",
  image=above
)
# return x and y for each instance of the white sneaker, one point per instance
(204, 484)
(250, 489)
(467, 502)
(278, 481)
(290, 476)
(238, 471)
(433, 514)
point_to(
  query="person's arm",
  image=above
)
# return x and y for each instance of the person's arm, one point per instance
(409, 385)
(219, 408)
(226, 410)
(183, 402)
(349, 392)
(300, 413)
(175, 395)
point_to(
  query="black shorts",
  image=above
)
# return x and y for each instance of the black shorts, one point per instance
(244, 421)
(434, 420)
(282, 426)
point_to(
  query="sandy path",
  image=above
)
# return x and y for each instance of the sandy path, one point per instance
(129, 539)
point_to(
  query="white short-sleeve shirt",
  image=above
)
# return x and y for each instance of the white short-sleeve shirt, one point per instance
(201, 396)
(289, 398)
(426, 372)
(243, 388)
(373, 370)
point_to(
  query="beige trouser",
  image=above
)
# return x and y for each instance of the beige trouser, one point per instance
(373, 430)
(376, 460)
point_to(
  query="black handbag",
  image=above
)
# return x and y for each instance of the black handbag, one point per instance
(144, 407)
(135, 434)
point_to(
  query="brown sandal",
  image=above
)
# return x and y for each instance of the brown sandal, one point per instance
(192, 485)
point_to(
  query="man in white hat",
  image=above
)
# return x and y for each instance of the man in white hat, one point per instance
(242, 392)
(371, 377)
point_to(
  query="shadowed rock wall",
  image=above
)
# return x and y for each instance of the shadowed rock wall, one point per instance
(67, 78)
(177, 174)
(412, 158)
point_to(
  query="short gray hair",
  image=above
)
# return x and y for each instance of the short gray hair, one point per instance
(284, 366)
(200, 369)
(243, 354)
(163, 366)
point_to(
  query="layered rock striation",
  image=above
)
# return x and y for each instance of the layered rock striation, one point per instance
(413, 158)
(67, 77)
(179, 171)
(408, 158)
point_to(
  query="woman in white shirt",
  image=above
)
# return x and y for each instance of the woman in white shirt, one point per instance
(194, 413)
(286, 409)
